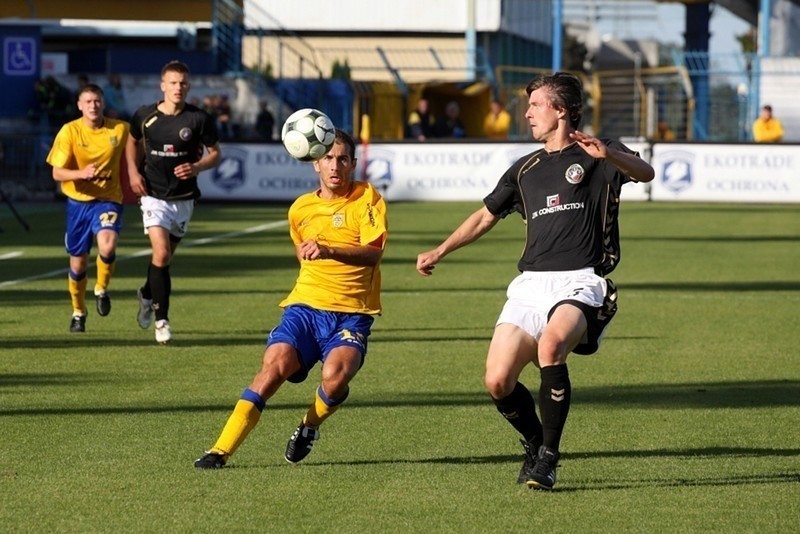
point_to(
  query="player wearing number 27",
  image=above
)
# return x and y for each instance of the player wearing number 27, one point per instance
(568, 195)
(86, 157)
(339, 232)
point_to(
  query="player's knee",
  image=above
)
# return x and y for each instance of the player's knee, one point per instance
(499, 385)
(551, 352)
(280, 360)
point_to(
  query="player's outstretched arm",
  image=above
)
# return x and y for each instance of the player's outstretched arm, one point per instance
(630, 164)
(471, 229)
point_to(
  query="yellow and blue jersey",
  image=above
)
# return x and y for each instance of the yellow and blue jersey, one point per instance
(356, 220)
(77, 146)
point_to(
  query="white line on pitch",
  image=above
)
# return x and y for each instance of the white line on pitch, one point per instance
(147, 252)
(9, 255)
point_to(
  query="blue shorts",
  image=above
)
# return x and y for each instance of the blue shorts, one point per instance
(86, 219)
(315, 333)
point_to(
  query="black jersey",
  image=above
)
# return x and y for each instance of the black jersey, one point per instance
(570, 202)
(169, 141)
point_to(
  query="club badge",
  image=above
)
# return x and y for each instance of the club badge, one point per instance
(574, 173)
(338, 220)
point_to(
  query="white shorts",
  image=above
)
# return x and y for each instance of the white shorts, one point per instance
(532, 297)
(174, 215)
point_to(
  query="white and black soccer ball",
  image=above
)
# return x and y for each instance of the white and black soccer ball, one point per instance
(308, 134)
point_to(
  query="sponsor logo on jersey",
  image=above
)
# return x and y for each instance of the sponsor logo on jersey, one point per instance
(338, 220)
(554, 205)
(575, 173)
(185, 134)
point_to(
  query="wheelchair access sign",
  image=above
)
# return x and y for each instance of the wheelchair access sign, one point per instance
(19, 56)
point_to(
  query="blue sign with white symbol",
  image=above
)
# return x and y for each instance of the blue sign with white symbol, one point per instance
(19, 56)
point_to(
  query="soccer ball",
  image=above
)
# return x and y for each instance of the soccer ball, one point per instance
(308, 134)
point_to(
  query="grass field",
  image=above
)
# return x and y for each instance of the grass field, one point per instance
(686, 420)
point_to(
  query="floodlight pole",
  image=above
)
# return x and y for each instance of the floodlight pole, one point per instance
(558, 17)
(472, 41)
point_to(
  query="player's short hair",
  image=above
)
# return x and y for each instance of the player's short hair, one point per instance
(90, 88)
(566, 92)
(175, 66)
(343, 137)
(767, 108)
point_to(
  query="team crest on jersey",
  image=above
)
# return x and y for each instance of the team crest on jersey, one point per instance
(338, 220)
(185, 134)
(574, 173)
(114, 141)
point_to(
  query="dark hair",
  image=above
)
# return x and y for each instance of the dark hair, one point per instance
(768, 108)
(175, 66)
(566, 92)
(90, 88)
(347, 139)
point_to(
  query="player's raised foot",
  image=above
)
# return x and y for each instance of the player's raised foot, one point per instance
(163, 332)
(145, 315)
(528, 463)
(78, 323)
(211, 460)
(544, 471)
(103, 303)
(300, 443)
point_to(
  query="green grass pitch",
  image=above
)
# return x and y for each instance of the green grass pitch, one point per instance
(687, 419)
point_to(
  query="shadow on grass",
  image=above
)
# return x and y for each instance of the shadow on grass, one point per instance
(696, 453)
(739, 287)
(255, 339)
(720, 239)
(720, 395)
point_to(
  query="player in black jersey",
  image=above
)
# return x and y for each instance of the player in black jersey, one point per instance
(568, 194)
(171, 142)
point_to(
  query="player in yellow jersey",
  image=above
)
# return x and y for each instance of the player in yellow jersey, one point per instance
(339, 232)
(86, 156)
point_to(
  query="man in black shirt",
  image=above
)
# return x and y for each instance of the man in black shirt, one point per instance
(568, 194)
(165, 154)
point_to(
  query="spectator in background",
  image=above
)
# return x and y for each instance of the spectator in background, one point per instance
(450, 125)
(497, 121)
(222, 111)
(265, 123)
(55, 107)
(663, 132)
(421, 122)
(116, 108)
(766, 128)
(83, 81)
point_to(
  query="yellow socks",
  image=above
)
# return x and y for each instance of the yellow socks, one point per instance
(105, 268)
(77, 292)
(244, 418)
(322, 408)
